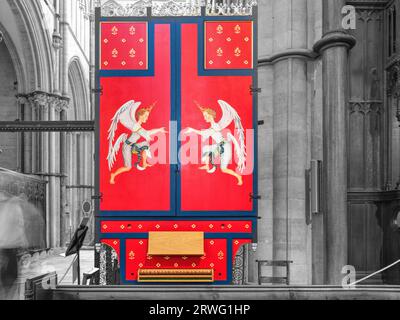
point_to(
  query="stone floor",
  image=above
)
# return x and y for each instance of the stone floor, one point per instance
(39, 264)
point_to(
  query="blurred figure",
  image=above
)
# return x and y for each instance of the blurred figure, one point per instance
(21, 228)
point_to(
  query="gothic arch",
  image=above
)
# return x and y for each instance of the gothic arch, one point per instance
(78, 91)
(18, 67)
(34, 46)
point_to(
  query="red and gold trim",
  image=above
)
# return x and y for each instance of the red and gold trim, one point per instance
(243, 226)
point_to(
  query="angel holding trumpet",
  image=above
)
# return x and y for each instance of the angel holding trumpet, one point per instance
(132, 117)
(222, 146)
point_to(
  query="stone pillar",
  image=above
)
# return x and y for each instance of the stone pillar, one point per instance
(265, 146)
(26, 111)
(284, 54)
(290, 231)
(334, 47)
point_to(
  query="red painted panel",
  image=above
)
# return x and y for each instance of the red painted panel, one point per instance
(124, 46)
(229, 45)
(202, 191)
(215, 258)
(113, 243)
(138, 190)
(204, 226)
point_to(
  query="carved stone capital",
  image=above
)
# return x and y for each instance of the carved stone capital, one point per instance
(337, 38)
(38, 100)
(59, 103)
(22, 99)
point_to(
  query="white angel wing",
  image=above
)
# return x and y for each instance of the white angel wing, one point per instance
(230, 115)
(125, 115)
(114, 149)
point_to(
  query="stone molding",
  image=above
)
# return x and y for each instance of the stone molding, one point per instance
(334, 38)
(305, 54)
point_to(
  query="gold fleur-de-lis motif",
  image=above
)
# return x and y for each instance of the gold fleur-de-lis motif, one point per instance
(238, 52)
(237, 29)
(220, 52)
(132, 53)
(131, 255)
(114, 31)
(220, 255)
(220, 29)
(114, 53)
(132, 30)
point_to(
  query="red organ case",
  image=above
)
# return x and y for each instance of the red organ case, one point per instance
(153, 72)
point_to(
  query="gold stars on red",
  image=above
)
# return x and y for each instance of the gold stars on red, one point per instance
(231, 46)
(124, 46)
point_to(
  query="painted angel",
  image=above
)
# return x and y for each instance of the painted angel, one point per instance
(222, 145)
(132, 117)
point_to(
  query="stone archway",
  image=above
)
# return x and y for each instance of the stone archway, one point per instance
(79, 150)
(9, 145)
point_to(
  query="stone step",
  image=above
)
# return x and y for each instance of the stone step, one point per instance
(224, 293)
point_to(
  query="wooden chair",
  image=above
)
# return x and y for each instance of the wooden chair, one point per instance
(90, 276)
(274, 280)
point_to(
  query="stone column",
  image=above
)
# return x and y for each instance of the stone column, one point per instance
(334, 47)
(290, 231)
(265, 147)
(26, 109)
(284, 234)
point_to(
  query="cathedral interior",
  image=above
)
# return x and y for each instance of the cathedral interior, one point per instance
(337, 101)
